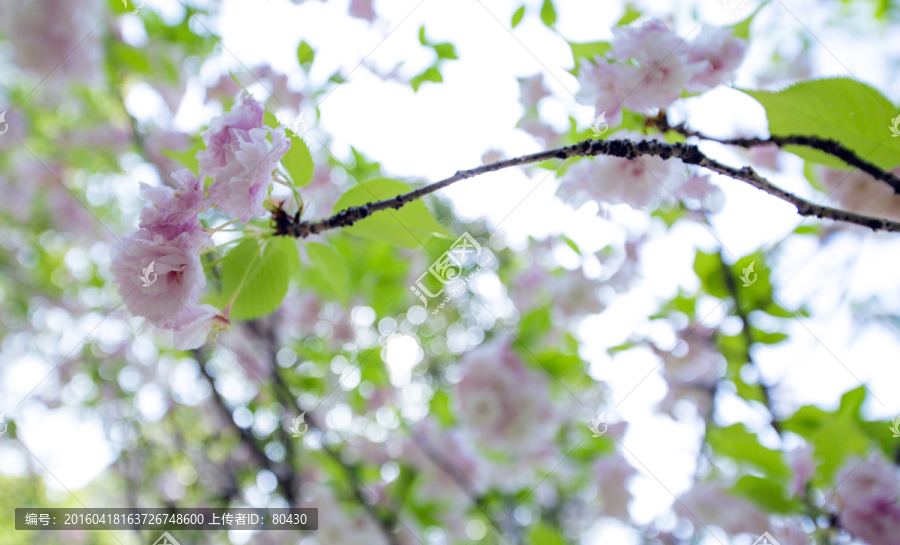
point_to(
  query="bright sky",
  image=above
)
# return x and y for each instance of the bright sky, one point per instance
(428, 135)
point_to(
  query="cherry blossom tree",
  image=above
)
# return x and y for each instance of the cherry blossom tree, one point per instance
(257, 313)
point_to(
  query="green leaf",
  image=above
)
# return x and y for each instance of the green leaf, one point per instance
(270, 120)
(588, 51)
(298, 162)
(445, 51)
(548, 13)
(441, 409)
(534, 326)
(329, 270)
(544, 534)
(255, 276)
(432, 74)
(837, 435)
(305, 54)
(766, 494)
(410, 226)
(742, 28)
(629, 17)
(708, 269)
(739, 444)
(239, 84)
(571, 244)
(842, 109)
(422, 39)
(517, 16)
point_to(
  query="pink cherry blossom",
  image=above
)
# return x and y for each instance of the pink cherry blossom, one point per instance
(506, 406)
(176, 263)
(195, 324)
(697, 187)
(867, 483)
(611, 474)
(362, 9)
(878, 524)
(242, 194)
(665, 67)
(707, 504)
(218, 160)
(532, 90)
(803, 466)
(869, 492)
(574, 295)
(720, 52)
(605, 86)
(170, 212)
(636, 182)
(53, 39)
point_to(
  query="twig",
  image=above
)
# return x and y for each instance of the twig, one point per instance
(731, 285)
(689, 154)
(246, 438)
(287, 399)
(831, 147)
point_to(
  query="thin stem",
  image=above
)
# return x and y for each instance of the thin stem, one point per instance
(831, 147)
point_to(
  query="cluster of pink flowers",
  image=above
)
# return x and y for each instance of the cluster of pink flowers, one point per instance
(649, 67)
(654, 66)
(170, 236)
(506, 406)
(870, 494)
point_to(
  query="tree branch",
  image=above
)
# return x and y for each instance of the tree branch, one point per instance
(246, 437)
(690, 154)
(831, 147)
(386, 522)
(731, 285)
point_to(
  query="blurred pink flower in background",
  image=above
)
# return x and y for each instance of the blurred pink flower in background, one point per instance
(506, 406)
(707, 504)
(532, 90)
(803, 466)
(869, 492)
(618, 180)
(612, 474)
(58, 39)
